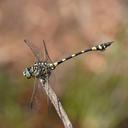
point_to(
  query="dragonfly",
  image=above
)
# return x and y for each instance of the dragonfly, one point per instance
(43, 67)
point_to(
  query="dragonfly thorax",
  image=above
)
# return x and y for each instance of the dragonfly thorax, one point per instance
(39, 70)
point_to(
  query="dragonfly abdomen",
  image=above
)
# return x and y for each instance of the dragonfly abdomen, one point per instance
(100, 47)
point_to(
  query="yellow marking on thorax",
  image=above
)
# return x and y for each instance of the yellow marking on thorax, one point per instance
(50, 65)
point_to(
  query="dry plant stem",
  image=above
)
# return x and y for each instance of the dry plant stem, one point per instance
(57, 104)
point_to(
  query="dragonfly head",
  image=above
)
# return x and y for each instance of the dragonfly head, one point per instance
(27, 73)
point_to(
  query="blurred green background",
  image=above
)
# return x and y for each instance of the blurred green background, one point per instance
(91, 87)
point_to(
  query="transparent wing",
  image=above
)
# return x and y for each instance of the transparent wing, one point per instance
(48, 59)
(42, 94)
(47, 98)
(35, 87)
(46, 55)
(38, 97)
(34, 49)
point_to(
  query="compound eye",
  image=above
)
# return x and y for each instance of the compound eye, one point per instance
(27, 73)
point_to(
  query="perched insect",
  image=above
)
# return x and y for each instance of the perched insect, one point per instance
(42, 68)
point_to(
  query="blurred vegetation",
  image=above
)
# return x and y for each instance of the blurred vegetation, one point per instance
(100, 99)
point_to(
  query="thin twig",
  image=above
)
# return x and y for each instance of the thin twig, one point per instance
(57, 104)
